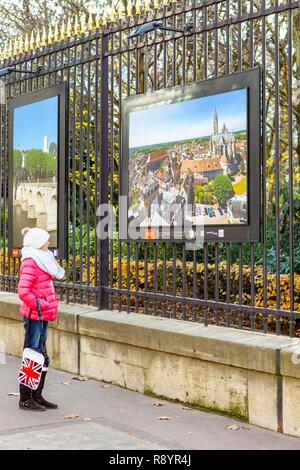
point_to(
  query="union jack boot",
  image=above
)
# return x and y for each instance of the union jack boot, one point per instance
(37, 394)
(27, 402)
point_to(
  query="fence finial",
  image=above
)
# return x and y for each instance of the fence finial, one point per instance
(31, 45)
(165, 3)
(112, 12)
(97, 21)
(15, 47)
(156, 5)
(83, 23)
(90, 22)
(147, 6)
(138, 7)
(44, 37)
(62, 30)
(104, 18)
(121, 10)
(69, 28)
(5, 53)
(76, 26)
(129, 8)
(38, 39)
(50, 35)
(21, 45)
(56, 33)
(26, 43)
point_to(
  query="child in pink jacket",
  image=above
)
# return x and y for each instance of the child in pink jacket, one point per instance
(38, 268)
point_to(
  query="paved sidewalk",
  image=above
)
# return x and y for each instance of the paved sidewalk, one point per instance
(114, 418)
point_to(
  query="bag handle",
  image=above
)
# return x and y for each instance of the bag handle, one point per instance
(27, 331)
(40, 317)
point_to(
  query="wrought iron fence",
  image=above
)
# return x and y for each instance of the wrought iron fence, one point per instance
(246, 285)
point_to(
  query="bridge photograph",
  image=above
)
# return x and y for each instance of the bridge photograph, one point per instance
(35, 137)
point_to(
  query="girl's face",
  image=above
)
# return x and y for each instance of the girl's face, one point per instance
(45, 247)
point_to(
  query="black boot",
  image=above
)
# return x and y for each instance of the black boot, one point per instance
(37, 394)
(27, 402)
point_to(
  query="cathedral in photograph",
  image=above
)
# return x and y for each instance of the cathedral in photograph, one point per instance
(222, 143)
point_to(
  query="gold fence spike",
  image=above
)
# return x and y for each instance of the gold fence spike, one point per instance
(76, 26)
(15, 47)
(62, 30)
(69, 28)
(156, 4)
(10, 49)
(56, 33)
(97, 21)
(83, 23)
(165, 3)
(121, 10)
(44, 37)
(104, 18)
(26, 43)
(38, 39)
(138, 7)
(5, 53)
(50, 35)
(90, 22)
(129, 8)
(112, 12)
(32, 41)
(147, 6)
(21, 45)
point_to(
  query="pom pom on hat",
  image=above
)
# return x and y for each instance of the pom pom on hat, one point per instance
(34, 237)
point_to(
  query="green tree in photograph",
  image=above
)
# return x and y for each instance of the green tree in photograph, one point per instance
(222, 189)
(40, 164)
(17, 156)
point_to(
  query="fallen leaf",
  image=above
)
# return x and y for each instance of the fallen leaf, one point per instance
(106, 386)
(164, 418)
(187, 408)
(87, 419)
(65, 383)
(13, 394)
(232, 427)
(71, 416)
(158, 403)
(81, 379)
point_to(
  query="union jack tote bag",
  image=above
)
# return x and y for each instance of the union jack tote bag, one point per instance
(32, 360)
(31, 368)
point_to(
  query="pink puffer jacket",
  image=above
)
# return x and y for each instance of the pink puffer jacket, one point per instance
(34, 282)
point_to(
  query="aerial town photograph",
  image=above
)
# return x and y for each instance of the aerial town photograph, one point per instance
(188, 162)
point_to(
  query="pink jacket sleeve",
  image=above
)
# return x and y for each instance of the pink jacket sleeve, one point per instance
(27, 280)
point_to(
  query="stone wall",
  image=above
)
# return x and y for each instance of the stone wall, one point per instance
(251, 376)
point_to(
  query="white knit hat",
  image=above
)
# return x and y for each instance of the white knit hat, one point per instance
(34, 237)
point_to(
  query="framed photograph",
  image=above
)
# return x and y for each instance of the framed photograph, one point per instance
(191, 156)
(37, 156)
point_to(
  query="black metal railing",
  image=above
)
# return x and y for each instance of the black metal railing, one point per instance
(253, 286)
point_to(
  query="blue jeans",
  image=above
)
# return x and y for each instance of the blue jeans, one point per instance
(34, 338)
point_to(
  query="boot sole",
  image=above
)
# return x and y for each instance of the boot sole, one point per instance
(23, 408)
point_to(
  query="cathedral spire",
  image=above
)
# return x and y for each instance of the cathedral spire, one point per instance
(216, 122)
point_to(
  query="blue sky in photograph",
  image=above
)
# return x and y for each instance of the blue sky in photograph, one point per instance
(33, 122)
(188, 119)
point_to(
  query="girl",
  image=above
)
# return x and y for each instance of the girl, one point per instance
(38, 268)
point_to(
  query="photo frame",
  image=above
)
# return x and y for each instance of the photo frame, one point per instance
(37, 166)
(212, 158)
